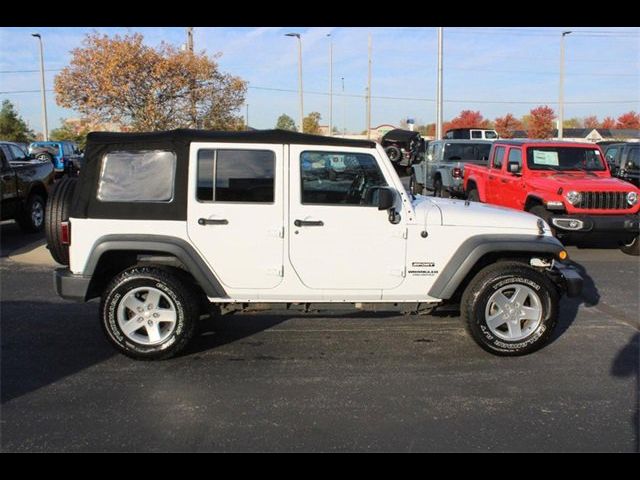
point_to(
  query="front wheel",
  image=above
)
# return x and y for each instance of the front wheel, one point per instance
(632, 248)
(510, 309)
(149, 313)
(473, 195)
(32, 217)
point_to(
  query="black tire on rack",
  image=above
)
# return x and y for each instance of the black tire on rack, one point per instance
(56, 212)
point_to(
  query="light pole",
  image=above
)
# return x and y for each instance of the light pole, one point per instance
(561, 96)
(330, 84)
(344, 109)
(369, 94)
(297, 35)
(247, 118)
(439, 88)
(45, 127)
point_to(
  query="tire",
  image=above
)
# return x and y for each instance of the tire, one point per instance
(31, 218)
(473, 195)
(516, 286)
(45, 156)
(165, 328)
(394, 154)
(57, 211)
(439, 190)
(543, 213)
(632, 248)
(414, 187)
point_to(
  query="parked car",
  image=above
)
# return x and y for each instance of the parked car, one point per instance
(24, 187)
(167, 227)
(404, 148)
(568, 184)
(65, 156)
(443, 167)
(624, 161)
(471, 134)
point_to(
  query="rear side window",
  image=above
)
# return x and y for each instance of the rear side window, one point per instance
(137, 176)
(633, 161)
(242, 176)
(498, 157)
(476, 134)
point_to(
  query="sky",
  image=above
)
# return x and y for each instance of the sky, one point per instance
(494, 70)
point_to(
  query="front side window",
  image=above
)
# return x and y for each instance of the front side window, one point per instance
(611, 155)
(18, 154)
(137, 176)
(490, 135)
(564, 158)
(515, 156)
(339, 178)
(633, 161)
(243, 176)
(497, 157)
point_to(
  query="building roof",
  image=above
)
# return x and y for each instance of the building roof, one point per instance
(255, 136)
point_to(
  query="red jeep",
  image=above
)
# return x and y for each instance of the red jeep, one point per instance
(567, 184)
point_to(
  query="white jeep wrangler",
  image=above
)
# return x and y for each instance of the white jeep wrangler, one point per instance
(168, 227)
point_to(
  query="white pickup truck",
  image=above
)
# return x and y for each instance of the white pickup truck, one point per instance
(167, 227)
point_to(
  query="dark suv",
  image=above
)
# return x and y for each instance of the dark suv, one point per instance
(404, 148)
(624, 161)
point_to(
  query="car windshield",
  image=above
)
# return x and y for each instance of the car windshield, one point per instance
(564, 158)
(466, 151)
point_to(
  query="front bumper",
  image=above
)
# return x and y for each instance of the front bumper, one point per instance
(70, 286)
(622, 226)
(568, 278)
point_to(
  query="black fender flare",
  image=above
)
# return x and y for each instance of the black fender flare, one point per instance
(173, 246)
(474, 248)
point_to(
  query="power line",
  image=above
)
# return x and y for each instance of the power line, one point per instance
(32, 71)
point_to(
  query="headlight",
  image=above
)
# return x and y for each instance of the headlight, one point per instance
(573, 197)
(632, 198)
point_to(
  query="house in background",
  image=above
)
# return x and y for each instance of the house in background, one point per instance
(595, 135)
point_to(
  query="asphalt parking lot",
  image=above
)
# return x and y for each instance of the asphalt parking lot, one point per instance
(326, 381)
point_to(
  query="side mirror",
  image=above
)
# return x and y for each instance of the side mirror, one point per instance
(514, 167)
(386, 198)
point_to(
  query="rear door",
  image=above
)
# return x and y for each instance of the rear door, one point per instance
(236, 212)
(492, 187)
(338, 240)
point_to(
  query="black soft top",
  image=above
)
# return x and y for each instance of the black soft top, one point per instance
(86, 205)
(399, 135)
(252, 136)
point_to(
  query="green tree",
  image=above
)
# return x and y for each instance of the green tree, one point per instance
(12, 127)
(72, 131)
(311, 123)
(285, 122)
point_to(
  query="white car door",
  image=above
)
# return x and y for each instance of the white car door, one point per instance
(336, 240)
(236, 212)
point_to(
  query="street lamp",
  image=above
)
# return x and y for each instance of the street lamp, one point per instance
(45, 128)
(561, 96)
(330, 84)
(297, 35)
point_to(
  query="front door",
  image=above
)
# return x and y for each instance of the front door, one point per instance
(236, 212)
(338, 239)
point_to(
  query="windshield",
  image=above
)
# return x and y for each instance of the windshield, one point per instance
(466, 151)
(564, 158)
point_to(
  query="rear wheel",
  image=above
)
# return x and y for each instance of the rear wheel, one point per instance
(473, 195)
(415, 187)
(394, 154)
(31, 218)
(57, 211)
(149, 313)
(632, 248)
(510, 309)
(439, 190)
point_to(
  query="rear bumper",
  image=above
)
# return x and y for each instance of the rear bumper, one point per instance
(584, 226)
(70, 286)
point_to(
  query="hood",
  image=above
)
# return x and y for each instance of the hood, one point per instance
(454, 212)
(579, 181)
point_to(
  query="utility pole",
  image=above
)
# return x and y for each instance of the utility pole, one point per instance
(45, 127)
(297, 35)
(330, 84)
(344, 109)
(369, 94)
(439, 100)
(194, 113)
(247, 118)
(561, 95)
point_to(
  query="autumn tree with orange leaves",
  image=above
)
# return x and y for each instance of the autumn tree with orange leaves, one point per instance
(505, 126)
(467, 119)
(540, 124)
(608, 122)
(628, 120)
(123, 81)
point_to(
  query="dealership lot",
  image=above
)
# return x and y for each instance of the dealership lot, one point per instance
(327, 381)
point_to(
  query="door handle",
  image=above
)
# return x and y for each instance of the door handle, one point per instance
(212, 221)
(491, 177)
(308, 223)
